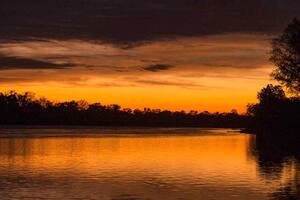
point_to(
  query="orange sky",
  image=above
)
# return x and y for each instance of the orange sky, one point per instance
(214, 73)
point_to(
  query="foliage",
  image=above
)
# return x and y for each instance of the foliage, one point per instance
(274, 113)
(271, 94)
(286, 57)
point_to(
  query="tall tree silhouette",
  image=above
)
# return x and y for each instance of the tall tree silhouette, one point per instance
(285, 55)
(275, 113)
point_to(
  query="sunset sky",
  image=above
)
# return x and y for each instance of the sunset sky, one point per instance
(178, 55)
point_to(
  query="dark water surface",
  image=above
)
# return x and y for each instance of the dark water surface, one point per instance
(163, 164)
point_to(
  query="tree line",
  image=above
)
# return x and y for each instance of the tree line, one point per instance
(25, 109)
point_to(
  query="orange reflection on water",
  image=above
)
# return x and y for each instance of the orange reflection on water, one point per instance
(174, 165)
(199, 156)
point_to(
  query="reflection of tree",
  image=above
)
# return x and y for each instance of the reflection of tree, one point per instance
(273, 156)
(291, 190)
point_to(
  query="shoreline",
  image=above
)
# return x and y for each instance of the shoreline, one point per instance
(75, 131)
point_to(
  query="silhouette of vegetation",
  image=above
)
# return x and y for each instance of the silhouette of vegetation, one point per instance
(275, 112)
(25, 109)
(275, 118)
(286, 57)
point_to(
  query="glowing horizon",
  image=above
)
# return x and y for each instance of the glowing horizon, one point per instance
(213, 73)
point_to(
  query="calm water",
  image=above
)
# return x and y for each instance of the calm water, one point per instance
(161, 164)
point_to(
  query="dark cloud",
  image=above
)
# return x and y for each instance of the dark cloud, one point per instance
(10, 62)
(13, 79)
(135, 21)
(158, 67)
(157, 82)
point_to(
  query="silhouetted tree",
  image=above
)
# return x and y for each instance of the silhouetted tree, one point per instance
(271, 94)
(286, 57)
(274, 113)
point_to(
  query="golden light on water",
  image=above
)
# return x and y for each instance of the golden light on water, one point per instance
(171, 163)
(198, 156)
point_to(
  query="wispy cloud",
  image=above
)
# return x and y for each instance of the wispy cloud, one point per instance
(13, 79)
(179, 83)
